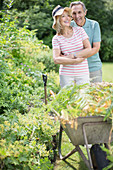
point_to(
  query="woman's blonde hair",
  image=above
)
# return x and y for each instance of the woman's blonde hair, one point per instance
(58, 26)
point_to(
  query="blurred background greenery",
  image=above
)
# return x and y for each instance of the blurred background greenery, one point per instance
(36, 15)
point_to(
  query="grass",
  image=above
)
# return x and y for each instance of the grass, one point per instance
(107, 69)
(75, 162)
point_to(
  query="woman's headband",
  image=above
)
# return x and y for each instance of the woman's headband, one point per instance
(57, 10)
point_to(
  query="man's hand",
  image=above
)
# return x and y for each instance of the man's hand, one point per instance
(68, 55)
(78, 60)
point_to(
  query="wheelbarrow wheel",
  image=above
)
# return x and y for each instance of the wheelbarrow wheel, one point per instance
(99, 157)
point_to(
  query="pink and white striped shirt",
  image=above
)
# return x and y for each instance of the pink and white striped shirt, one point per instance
(71, 45)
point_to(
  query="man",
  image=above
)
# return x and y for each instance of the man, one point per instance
(93, 31)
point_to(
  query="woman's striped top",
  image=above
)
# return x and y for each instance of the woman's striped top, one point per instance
(72, 45)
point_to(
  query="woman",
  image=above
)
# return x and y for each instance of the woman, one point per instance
(73, 43)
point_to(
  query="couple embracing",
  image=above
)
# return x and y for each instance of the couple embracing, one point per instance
(76, 45)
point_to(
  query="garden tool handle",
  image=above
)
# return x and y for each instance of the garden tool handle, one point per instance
(44, 79)
(45, 91)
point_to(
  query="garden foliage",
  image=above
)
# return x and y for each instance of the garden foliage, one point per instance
(26, 130)
(84, 100)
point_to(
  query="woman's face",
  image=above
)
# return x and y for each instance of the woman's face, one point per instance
(65, 19)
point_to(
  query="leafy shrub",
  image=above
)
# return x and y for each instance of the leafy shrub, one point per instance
(25, 128)
(24, 140)
(21, 80)
(20, 86)
(47, 59)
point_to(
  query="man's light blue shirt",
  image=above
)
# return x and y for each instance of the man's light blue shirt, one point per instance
(92, 29)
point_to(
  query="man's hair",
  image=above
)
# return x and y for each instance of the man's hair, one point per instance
(78, 3)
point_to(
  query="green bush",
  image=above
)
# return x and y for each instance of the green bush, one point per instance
(47, 59)
(24, 140)
(25, 128)
(21, 80)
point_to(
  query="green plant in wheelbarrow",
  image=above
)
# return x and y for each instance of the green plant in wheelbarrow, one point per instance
(84, 100)
(85, 113)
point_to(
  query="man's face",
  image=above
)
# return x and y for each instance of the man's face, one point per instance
(78, 14)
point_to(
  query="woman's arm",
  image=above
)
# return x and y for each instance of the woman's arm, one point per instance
(85, 53)
(69, 59)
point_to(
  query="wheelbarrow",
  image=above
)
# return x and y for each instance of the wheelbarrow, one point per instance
(90, 130)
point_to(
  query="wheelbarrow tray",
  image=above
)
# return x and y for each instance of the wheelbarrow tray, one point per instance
(97, 130)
